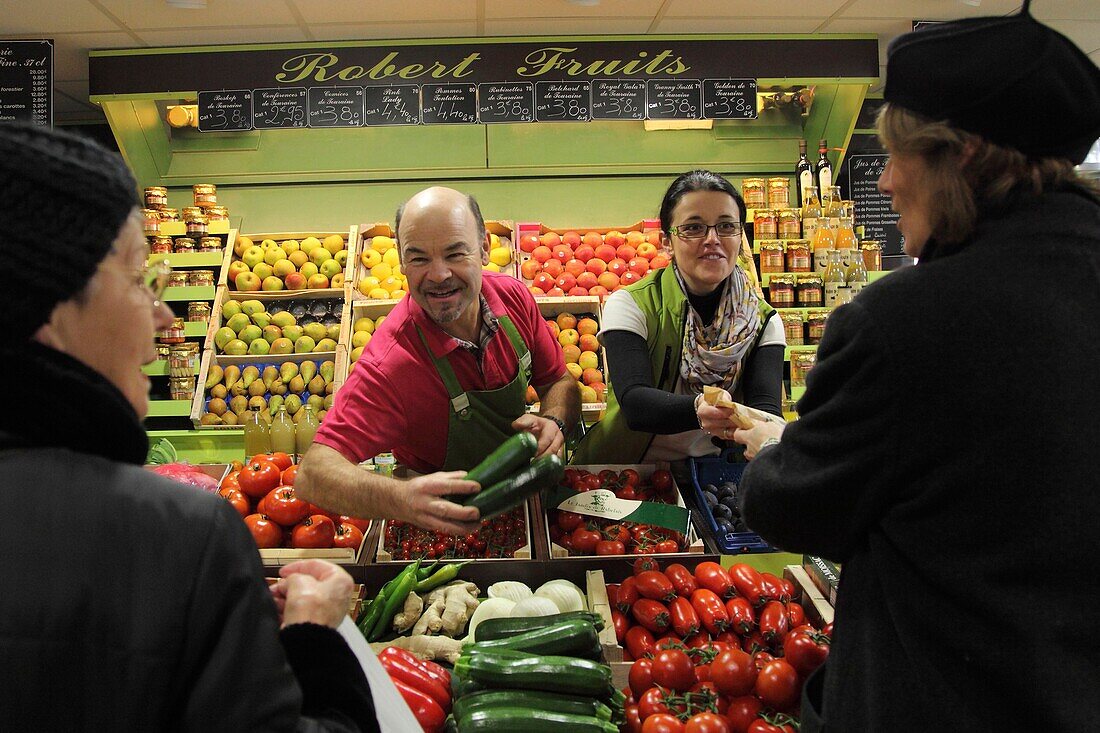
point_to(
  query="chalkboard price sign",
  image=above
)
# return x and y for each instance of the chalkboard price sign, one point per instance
(873, 210)
(26, 82)
(506, 102)
(225, 110)
(449, 104)
(729, 99)
(563, 101)
(279, 108)
(674, 99)
(335, 106)
(618, 99)
(392, 104)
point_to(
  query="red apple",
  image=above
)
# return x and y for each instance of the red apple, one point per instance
(528, 242)
(609, 280)
(599, 291)
(577, 292)
(551, 239)
(543, 281)
(553, 268)
(658, 261)
(634, 238)
(555, 293)
(537, 292)
(639, 265)
(629, 278)
(605, 252)
(592, 239)
(625, 252)
(617, 266)
(587, 280)
(571, 238)
(653, 236)
(563, 253)
(575, 267)
(615, 239)
(596, 266)
(295, 281)
(529, 269)
(584, 253)
(542, 253)
(566, 282)
(553, 327)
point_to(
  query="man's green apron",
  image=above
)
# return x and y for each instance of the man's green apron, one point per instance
(479, 422)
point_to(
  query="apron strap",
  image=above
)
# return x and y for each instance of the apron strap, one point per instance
(523, 355)
(460, 402)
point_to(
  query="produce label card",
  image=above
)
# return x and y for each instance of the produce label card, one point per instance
(603, 503)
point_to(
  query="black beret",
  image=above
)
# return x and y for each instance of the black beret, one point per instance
(63, 200)
(1012, 80)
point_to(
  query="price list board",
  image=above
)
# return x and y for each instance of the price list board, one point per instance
(448, 104)
(513, 102)
(336, 107)
(563, 101)
(873, 210)
(618, 99)
(273, 109)
(26, 82)
(229, 110)
(729, 99)
(392, 104)
(674, 99)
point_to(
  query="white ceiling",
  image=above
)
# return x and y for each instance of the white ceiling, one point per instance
(78, 26)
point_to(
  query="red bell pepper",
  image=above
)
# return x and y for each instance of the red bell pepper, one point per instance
(430, 669)
(426, 710)
(401, 670)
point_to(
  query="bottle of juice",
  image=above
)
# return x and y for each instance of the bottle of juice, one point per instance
(846, 240)
(256, 438)
(282, 432)
(834, 280)
(307, 426)
(811, 213)
(823, 242)
(857, 274)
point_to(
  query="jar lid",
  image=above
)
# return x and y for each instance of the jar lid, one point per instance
(870, 244)
(771, 244)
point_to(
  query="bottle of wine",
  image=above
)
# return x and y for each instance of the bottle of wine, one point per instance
(803, 173)
(824, 168)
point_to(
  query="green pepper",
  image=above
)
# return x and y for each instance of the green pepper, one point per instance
(393, 603)
(370, 614)
(445, 574)
(423, 573)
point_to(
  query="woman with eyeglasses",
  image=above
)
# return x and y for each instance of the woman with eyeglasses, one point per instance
(695, 323)
(130, 602)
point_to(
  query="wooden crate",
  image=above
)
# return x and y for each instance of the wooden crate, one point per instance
(271, 301)
(551, 308)
(351, 238)
(338, 555)
(596, 588)
(523, 553)
(354, 309)
(818, 610)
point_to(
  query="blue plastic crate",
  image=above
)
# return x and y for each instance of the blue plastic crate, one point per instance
(714, 470)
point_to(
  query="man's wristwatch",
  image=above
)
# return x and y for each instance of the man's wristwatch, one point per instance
(557, 421)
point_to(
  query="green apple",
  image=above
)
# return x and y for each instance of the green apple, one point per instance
(304, 345)
(261, 319)
(259, 347)
(333, 332)
(309, 244)
(341, 258)
(308, 270)
(325, 344)
(263, 270)
(274, 254)
(223, 336)
(328, 268)
(334, 243)
(282, 346)
(315, 330)
(231, 308)
(252, 256)
(251, 307)
(282, 319)
(293, 332)
(337, 280)
(247, 282)
(319, 255)
(236, 268)
(268, 244)
(282, 268)
(238, 323)
(290, 246)
(236, 347)
(271, 333)
(272, 283)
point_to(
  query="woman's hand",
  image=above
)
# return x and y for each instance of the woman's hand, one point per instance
(715, 420)
(758, 436)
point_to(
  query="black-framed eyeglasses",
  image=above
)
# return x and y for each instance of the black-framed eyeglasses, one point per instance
(154, 278)
(698, 230)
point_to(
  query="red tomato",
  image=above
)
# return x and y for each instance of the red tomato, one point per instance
(742, 617)
(661, 480)
(711, 612)
(652, 702)
(628, 593)
(585, 540)
(655, 585)
(289, 474)
(673, 669)
(778, 685)
(610, 547)
(362, 524)
(230, 481)
(761, 658)
(651, 614)
(265, 532)
(749, 583)
(629, 477)
(774, 586)
(284, 506)
(348, 535)
(773, 622)
(616, 532)
(713, 577)
(727, 639)
(682, 579)
(754, 642)
(621, 625)
(662, 723)
(683, 618)
(763, 725)
(633, 719)
(316, 532)
(639, 641)
(640, 677)
(258, 478)
(626, 493)
(607, 476)
(569, 521)
(805, 650)
(664, 547)
(707, 723)
(612, 594)
(236, 500)
(796, 615)
(590, 482)
(702, 673)
(742, 711)
(282, 460)
(733, 673)
(827, 629)
(644, 563)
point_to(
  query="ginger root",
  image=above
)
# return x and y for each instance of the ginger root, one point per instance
(409, 614)
(432, 619)
(460, 601)
(437, 648)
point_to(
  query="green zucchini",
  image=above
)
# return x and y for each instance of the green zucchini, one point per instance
(514, 490)
(511, 670)
(524, 720)
(502, 628)
(535, 700)
(575, 637)
(510, 456)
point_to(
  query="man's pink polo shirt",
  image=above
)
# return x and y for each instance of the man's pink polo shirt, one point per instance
(393, 399)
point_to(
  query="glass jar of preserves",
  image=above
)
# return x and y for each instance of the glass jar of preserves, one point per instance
(765, 224)
(781, 291)
(779, 193)
(200, 278)
(793, 328)
(798, 256)
(156, 197)
(173, 334)
(163, 350)
(206, 194)
(810, 291)
(217, 213)
(181, 388)
(210, 244)
(150, 221)
(771, 256)
(801, 364)
(872, 254)
(177, 279)
(755, 193)
(196, 226)
(184, 245)
(790, 224)
(167, 214)
(815, 326)
(160, 245)
(198, 310)
(190, 212)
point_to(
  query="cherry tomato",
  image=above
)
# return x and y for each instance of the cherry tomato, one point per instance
(258, 478)
(742, 711)
(284, 506)
(616, 532)
(805, 650)
(651, 614)
(236, 500)
(348, 535)
(778, 685)
(762, 725)
(713, 577)
(584, 540)
(316, 531)
(639, 641)
(265, 532)
(733, 673)
(682, 579)
(626, 493)
(661, 480)
(662, 723)
(706, 723)
(683, 618)
(673, 669)
(640, 677)
(590, 482)
(610, 547)
(664, 547)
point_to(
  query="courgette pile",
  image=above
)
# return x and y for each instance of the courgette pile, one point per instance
(508, 476)
(532, 676)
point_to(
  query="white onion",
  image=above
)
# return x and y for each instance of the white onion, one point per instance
(566, 584)
(491, 608)
(510, 589)
(535, 606)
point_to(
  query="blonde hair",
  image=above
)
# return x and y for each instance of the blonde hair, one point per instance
(968, 176)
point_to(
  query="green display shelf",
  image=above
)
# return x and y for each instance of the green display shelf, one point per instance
(196, 293)
(159, 368)
(195, 328)
(169, 408)
(192, 259)
(872, 275)
(204, 446)
(803, 311)
(787, 352)
(797, 391)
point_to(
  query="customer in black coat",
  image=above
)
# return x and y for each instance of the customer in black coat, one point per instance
(946, 450)
(129, 602)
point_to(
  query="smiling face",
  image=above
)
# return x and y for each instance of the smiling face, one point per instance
(112, 325)
(705, 263)
(442, 254)
(903, 180)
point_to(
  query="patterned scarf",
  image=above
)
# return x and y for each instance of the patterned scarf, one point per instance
(715, 354)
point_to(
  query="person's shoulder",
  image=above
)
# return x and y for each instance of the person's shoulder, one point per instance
(504, 286)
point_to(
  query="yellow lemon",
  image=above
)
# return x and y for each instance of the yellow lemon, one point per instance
(381, 271)
(494, 240)
(363, 324)
(379, 294)
(492, 267)
(382, 244)
(500, 256)
(397, 294)
(390, 258)
(360, 338)
(370, 258)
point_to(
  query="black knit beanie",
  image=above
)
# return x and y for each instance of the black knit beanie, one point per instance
(63, 200)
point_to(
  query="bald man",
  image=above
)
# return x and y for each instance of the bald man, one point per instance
(443, 380)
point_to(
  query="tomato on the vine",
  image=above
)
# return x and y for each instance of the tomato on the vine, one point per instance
(569, 521)
(707, 723)
(662, 723)
(778, 685)
(673, 669)
(665, 547)
(733, 673)
(584, 539)
(617, 533)
(640, 677)
(652, 702)
(661, 480)
(742, 711)
(610, 547)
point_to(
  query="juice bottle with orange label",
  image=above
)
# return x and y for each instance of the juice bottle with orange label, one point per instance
(824, 241)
